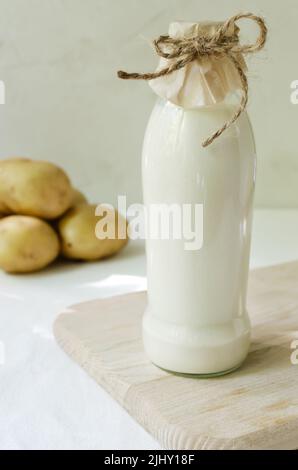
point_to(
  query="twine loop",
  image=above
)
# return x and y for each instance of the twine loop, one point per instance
(182, 51)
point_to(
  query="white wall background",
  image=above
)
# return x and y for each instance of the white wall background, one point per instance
(59, 58)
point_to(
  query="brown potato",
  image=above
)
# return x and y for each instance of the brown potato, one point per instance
(77, 232)
(4, 210)
(26, 244)
(77, 198)
(36, 188)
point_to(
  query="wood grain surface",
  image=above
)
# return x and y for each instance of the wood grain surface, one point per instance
(255, 407)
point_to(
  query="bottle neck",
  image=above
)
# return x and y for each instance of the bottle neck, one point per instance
(231, 100)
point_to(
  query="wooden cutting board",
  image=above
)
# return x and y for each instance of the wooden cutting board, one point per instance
(255, 407)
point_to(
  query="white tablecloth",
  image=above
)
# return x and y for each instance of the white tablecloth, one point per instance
(46, 400)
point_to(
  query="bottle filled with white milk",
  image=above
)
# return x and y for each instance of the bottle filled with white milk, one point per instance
(196, 321)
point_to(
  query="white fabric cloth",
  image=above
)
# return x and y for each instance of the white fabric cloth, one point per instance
(46, 400)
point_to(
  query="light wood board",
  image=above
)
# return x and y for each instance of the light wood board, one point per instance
(255, 407)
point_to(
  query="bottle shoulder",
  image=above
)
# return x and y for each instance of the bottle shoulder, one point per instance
(169, 119)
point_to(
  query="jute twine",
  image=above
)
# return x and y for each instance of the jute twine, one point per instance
(182, 51)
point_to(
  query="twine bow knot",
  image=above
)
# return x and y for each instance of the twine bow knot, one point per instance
(182, 51)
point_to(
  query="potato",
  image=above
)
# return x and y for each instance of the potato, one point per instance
(26, 244)
(77, 233)
(77, 198)
(35, 188)
(4, 209)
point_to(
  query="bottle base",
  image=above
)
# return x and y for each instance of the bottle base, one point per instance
(196, 351)
(201, 376)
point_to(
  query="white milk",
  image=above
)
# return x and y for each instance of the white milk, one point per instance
(196, 320)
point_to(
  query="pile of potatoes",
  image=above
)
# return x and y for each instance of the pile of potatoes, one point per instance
(42, 216)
